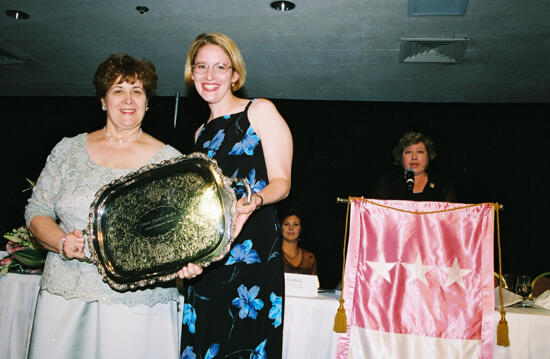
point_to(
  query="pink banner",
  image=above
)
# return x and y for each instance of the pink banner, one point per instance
(419, 281)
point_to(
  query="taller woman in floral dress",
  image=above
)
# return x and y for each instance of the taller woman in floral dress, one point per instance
(234, 309)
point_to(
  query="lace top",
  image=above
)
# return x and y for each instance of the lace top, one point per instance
(64, 191)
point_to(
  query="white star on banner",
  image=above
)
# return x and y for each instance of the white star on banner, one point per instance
(417, 270)
(381, 268)
(455, 274)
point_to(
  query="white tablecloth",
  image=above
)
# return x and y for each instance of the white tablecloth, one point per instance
(529, 333)
(18, 293)
(308, 330)
(308, 324)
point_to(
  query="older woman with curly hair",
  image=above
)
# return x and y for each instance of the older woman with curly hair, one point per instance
(412, 155)
(77, 314)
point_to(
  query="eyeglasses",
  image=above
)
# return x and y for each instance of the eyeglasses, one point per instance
(219, 68)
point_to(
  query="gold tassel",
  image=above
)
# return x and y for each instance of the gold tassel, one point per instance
(340, 320)
(502, 327)
(502, 332)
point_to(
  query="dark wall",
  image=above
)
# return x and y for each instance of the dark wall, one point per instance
(491, 152)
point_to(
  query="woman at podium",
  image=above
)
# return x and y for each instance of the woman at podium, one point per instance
(410, 179)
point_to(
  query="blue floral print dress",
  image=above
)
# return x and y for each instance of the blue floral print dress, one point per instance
(235, 308)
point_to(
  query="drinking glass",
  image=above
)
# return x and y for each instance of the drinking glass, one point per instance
(523, 288)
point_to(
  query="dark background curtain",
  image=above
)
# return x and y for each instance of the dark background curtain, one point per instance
(490, 153)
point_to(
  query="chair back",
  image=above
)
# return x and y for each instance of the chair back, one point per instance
(540, 284)
(497, 281)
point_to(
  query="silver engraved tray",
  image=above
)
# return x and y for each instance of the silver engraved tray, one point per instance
(147, 225)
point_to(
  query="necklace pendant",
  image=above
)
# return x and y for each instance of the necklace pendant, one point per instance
(295, 256)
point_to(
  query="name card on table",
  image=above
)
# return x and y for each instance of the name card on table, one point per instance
(301, 285)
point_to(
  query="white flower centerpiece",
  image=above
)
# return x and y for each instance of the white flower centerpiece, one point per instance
(24, 254)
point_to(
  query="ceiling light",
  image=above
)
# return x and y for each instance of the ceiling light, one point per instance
(283, 5)
(142, 9)
(17, 15)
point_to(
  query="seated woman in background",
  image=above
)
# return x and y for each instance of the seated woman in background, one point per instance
(295, 259)
(412, 155)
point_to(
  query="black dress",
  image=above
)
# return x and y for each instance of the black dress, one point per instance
(235, 308)
(392, 185)
(308, 264)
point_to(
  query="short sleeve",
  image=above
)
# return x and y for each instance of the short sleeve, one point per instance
(44, 193)
(169, 152)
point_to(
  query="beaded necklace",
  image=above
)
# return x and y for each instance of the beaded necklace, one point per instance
(121, 140)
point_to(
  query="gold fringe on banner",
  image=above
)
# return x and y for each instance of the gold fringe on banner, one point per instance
(340, 320)
(416, 212)
(502, 327)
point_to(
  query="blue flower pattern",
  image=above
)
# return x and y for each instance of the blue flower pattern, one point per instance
(189, 317)
(212, 351)
(259, 352)
(243, 253)
(247, 144)
(214, 144)
(276, 310)
(249, 255)
(188, 353)
(255, 186)
(247, 302)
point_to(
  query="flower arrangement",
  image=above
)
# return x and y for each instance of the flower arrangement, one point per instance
(24, 254)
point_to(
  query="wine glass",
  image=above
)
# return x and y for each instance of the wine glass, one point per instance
(523, 288)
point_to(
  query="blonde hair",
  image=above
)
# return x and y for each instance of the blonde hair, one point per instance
(227, 45)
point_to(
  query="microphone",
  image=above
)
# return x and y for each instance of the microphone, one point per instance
(409, 178)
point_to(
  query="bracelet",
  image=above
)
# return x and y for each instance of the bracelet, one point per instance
(261, 200)
(61, 251)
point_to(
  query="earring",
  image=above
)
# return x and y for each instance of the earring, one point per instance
(103, 107)
(233, 84)
(147, 108)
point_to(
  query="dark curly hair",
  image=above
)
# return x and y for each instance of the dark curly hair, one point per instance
(124, 68)
(411, 138)
(283, 213)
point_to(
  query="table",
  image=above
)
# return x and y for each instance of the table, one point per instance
(18, 294)
(308, 333)
(529, 333)
(308, 324)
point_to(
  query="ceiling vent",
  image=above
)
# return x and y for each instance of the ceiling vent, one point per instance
(7, 59)
(425, 50)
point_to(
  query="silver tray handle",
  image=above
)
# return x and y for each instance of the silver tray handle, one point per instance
(86, 235)
(243, 182)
